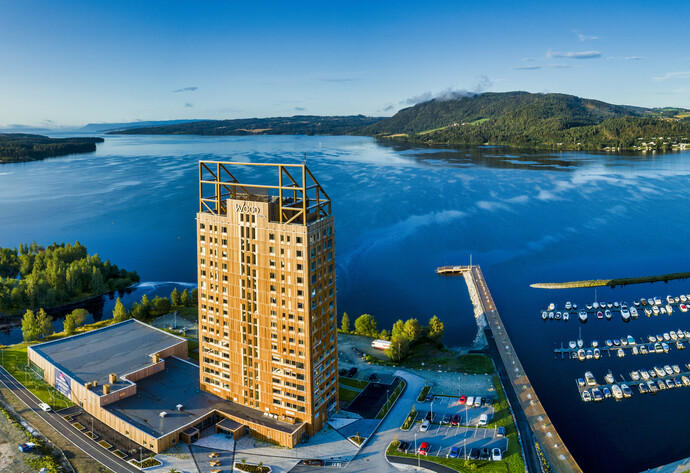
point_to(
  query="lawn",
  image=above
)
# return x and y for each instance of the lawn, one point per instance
(189, 313)
(461, 465)
(14, 360)
(353, 383)
(432, 356)
(503, 418)
(475, 364)
(347, 395)
(422, 394)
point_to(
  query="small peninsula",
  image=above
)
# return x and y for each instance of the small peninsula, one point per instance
(20, 147)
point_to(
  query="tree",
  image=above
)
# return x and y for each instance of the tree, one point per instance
(398, 328)
(384, 335)
(412, 329)
(185, 300)
(69, 324)
(366, 325)
(175, 297)
(436, 329)
(119, 312)
(80, 316)
(44, 323)
(195, 296)
(345, 323)
(399, 348)
(30, 330)
(145, 308)
(161, 305)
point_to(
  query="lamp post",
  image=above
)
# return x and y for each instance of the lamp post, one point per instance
(416, 449)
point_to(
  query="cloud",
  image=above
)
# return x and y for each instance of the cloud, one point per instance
(525, 68)
(388, 107)
(635, 58)
(185, 89)
(188, 104)
(672, 75)
(573, 54)
(528, 59)
(483, 83)
(584, 37)
(338, 79)
(299, 109)
(559, 66)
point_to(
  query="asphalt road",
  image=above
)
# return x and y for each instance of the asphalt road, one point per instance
(89, 447)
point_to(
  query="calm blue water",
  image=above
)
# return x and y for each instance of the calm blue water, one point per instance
(401, 212)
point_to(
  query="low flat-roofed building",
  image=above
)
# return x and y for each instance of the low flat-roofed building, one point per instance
(135, 379)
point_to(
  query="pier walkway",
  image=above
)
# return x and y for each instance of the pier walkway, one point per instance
(544, 432)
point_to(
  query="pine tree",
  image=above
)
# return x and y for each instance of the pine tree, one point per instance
(195, 296)
(436, 328)
(412, 329)
(175, 298)
(70, 324)
(185, 300)
(44, 322)
(345, 323)
(119, 312)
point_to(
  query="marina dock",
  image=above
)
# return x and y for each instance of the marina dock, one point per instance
(543, 431)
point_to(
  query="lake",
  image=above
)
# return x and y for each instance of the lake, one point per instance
(400, 212)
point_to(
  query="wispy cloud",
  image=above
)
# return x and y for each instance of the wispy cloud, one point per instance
(528, 59)
(635, 58)
(525, 68)
(188, 104)
(388, 107)
(300, 109)
(573, 54)
(672, 75)
(186, 89)
(338, 79)
(559, 66)
(483, 83)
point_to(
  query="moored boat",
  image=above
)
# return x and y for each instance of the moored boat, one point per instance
(586, 396)
(583, 316)
(617, 391)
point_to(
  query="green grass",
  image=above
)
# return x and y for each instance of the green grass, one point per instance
(475, 364)
(14, 360)
(391, 399)
(611, 282)
(149, 462)
(503, 418)
(426, 132)
(347, 395)
(458, 464)
(354, 383)
(422, 395)
(409, 420)
(189, 313)
(479, 121)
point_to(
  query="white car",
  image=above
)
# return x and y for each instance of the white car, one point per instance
(496, 455)
(45, 407)
(483, 420)
(425, 426)
(470, 401)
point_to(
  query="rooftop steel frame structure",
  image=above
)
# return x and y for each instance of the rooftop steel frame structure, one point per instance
(298, 193)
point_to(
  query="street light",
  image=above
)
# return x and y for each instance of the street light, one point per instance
(416, 449)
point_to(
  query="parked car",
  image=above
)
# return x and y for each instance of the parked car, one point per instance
(45, 407)
(26, 447)
(455, 420)
(463, 399)
(470, 401)
(314, 462)
(403, 446)
(483, 420)
(430, 416)
(424, 448)
(351, 372)
(445, 420)
(425, 426)
(342, 371)
(477, 402)
(474, 454)
(453, 453)
(501, 432)
(496, 455)
(429, 397)
(484, 454)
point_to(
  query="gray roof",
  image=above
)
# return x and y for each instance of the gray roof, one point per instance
(179, 384)
(120, 348)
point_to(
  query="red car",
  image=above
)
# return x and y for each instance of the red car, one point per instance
(455, 420)
(463, 399)
(424, 448)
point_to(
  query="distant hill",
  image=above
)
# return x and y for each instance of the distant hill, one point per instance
(105, 127)
(20, 147)
(297, 125)
(524, 119)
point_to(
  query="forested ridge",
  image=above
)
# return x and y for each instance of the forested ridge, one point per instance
(524, 119)
(19, 147)
(33, 276)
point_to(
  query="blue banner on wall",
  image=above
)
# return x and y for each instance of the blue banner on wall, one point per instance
(62, 383)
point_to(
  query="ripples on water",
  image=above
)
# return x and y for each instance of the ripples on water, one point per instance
(400, 212)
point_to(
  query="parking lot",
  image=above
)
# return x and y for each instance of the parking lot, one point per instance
(451, 406)
(443, 437)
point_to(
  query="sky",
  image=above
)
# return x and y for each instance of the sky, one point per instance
(69, 63)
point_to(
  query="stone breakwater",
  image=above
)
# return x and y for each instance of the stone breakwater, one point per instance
(479, 316)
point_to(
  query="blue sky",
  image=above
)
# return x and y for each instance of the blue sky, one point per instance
(74, 62)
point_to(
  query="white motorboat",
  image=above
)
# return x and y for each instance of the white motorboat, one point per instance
(669, 309)
(544, 314)
(552, 306)
(589, 378)
(617, 391)
(572, 344)
(607, 314)
(566, 316)
(586, 396)
(609, 378)
(634, 313)
(568, 305)
(583, 316)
